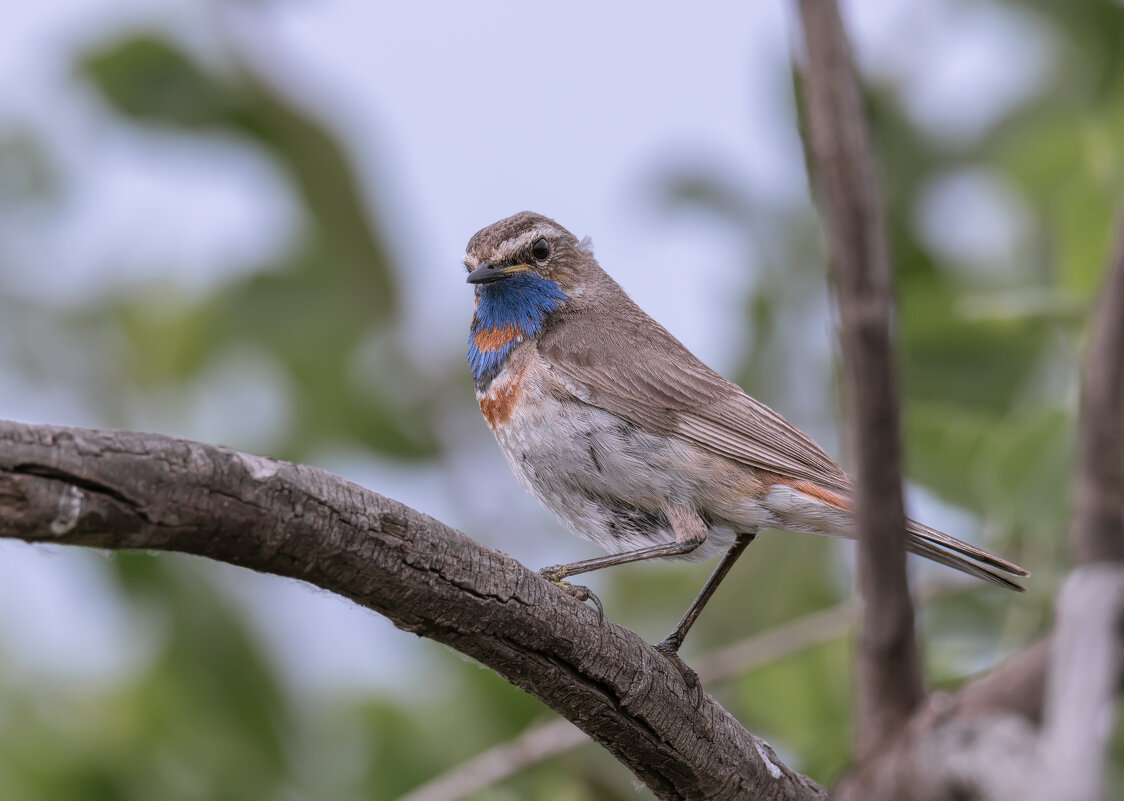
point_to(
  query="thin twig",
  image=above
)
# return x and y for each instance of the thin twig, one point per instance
(888, 668)
(533, 745)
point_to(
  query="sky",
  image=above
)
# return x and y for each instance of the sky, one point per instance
(459, 114)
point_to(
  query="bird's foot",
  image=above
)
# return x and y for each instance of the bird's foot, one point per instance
(670, 650)
(555, 573)
(555, 576)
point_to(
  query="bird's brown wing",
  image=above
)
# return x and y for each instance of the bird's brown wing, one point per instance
(626, 363)
(629, 365)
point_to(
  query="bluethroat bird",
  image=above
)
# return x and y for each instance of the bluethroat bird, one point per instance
(632, 441)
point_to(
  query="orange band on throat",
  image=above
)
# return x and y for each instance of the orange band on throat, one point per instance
(495, 338)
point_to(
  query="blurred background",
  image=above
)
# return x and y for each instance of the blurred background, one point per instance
(242, 222)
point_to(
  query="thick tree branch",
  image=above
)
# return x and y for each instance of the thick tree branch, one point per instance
(543, 741)
(115, 489)
(888, 670)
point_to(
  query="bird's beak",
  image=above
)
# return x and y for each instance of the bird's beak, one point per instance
(487, 272)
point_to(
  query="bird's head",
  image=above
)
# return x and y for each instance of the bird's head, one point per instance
(524, 268)
(533, 249)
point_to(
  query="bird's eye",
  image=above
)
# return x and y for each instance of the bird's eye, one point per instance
(541, 250)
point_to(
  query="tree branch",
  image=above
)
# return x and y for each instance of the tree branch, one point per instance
(539, 742)
(1084, 668)
(1034, 729)
(1097, 532)
(1082, 682)
(888, 670)
(123, 490)
(542, 741)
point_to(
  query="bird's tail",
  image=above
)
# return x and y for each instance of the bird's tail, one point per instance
(940, 547)
(804, 506)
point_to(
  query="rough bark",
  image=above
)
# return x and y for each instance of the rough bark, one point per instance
(122, 490)
(888, 667)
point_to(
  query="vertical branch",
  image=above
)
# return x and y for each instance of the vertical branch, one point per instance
(1084, 668)
(888, 669)
(1081, 684)
(1097, 532)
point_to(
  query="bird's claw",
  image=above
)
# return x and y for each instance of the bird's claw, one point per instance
(554, 575)
(670, 652)
(582, 594)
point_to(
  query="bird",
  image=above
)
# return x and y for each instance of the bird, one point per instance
(629, 439)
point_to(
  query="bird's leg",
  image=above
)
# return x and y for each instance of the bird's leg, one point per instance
(669, 645)
(675, 639)
(690, 533)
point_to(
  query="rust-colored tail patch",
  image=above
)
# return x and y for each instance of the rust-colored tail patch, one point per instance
(820, 494)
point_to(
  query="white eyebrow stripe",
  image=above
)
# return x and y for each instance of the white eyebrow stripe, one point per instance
(512, 246)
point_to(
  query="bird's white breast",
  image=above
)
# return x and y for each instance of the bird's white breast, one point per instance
(608, 480)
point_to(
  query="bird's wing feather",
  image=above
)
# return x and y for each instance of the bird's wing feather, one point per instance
(662, 387)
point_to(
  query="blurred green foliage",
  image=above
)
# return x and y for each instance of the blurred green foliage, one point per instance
(989, 396)
(332, 299)
(205, 720)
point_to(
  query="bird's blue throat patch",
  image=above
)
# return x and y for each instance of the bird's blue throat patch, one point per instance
(508, 311)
